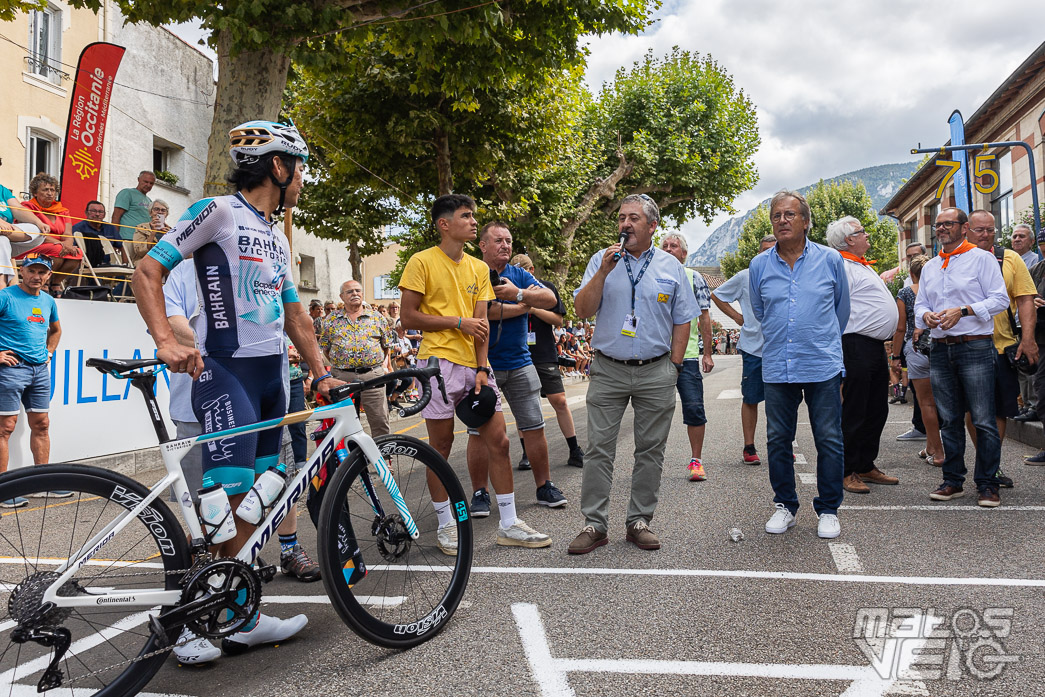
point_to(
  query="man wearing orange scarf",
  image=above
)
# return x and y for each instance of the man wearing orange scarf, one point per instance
(872, 320)
(961, 290)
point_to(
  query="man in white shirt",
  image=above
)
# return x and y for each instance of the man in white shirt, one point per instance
(752, 389)
(960, 291)
(872, 320)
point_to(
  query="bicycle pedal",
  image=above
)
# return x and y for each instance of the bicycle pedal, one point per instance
(266, 572)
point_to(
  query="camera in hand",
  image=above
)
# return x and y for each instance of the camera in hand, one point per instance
(923, 344)
(495, 278)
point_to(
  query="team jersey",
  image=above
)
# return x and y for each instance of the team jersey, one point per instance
(242, 275)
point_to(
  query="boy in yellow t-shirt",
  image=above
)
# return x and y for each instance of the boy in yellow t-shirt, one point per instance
(445, 294)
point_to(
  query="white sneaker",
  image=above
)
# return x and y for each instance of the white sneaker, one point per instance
(522, 535)
(781, 520)
(446, 539)
(268, 630)
(192, 649)
(828, 527)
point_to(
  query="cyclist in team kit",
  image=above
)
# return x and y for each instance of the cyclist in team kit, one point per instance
(247, 301)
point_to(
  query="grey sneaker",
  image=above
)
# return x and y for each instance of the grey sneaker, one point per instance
(446, 539)
(549, 495)
(522, 535)
(913, 434)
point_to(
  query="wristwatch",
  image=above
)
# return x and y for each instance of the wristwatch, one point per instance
(518, 296)
(483, 369)
(965, 311)
(894, 358)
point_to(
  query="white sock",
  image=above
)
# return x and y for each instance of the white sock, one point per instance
(506, 509)
(442, 511)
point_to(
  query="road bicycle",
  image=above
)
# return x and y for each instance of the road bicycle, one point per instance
(96, 588)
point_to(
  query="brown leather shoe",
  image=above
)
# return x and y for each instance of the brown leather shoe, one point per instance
(946, 492)
(877, 476)
(641, 536)
(589, 539)
(853, 485)
(989, 499)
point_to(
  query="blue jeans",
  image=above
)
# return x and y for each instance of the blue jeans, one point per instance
(691, 389)
(962, 376)
(824, 401)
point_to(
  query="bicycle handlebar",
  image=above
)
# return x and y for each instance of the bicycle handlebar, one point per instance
(425, 374)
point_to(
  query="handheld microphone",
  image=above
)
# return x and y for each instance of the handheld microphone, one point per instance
(623, 238)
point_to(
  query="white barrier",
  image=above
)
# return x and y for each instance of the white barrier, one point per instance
(94, 414)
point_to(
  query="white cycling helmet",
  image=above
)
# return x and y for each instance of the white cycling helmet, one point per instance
(254, 139)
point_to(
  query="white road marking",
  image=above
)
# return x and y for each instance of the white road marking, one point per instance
(806, 477)
(730, 394)
(552, 674)
(973, 508)
(371, 600)
(742, 573)
(30, 691)
(800, 459)
(845, 557)
(39, 561)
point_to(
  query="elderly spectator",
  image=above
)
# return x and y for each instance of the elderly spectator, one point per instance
(645, 304)
(1006, 335)
(545, 359)
(800, 294)
(752, 389)
(329, 307)
(18, 227)
(1023, 244)
(961, 290)
(690, 384)
(873, 317)
(29, 336)
(148, 234)
(58, 243)
(94, 227)
(446, 293)
(917, 363)
(513, 369)
(358, 342)
(132, 205)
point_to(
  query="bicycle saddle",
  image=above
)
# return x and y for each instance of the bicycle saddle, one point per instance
(121, 365)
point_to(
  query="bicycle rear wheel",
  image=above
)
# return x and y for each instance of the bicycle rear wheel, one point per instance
(110, 642)
(411, 588)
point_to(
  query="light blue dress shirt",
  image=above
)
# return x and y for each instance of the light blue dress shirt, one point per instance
(663, 298)
(803, 311)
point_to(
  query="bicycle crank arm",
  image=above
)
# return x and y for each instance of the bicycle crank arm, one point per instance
(183, 614)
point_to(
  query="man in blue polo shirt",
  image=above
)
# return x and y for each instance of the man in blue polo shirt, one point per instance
(645, 304)
(514, 371)
(29, 334)
(800, 294)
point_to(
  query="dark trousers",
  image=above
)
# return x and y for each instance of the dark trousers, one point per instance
(825, 417)
(865, 401)
(298, 437)
(1039, 383)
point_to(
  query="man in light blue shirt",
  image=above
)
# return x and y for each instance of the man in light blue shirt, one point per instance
(644, 303)
(752, 389)
(800, 294)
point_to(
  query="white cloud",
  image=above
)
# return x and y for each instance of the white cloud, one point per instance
(839, 85)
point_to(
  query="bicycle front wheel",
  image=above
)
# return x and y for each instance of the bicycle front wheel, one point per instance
(411, 587)
(112, 651)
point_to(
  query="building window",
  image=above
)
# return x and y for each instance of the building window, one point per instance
(382, 291)
(45, 44)
(307, 272)
(1001, 198)
(43, 154)
(934, 211)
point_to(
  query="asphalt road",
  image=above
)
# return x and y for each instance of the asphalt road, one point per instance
(771, 615)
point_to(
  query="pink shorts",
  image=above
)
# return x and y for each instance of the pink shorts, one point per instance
(459, 381)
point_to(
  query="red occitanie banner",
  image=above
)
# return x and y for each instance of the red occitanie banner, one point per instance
(85, 129)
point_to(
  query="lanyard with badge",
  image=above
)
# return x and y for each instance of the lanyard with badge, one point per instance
(631, 322)
(531, 335)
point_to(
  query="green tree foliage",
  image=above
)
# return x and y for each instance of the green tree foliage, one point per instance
(827, 202)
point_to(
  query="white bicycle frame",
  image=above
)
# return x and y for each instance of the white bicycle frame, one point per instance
(346, 426)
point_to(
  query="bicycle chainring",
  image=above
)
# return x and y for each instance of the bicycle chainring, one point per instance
(226, 593)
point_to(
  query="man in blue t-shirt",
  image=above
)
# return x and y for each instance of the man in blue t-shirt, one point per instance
(29, 334)
(93, 227)
(514, 372)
